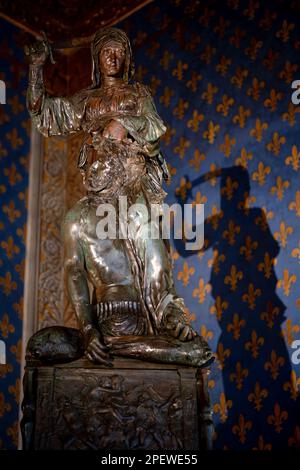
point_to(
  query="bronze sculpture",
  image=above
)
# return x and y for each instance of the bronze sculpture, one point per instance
(134, 310)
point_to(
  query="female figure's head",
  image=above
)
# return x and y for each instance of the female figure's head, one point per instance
(111, 56)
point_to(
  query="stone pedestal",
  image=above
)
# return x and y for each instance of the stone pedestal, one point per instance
(133, 405)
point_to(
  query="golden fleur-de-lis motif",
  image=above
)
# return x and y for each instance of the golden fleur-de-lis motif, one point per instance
(193, 82)
(7, 283)
(248, 248)
(223, 65)
(274, 364)
(263, 219)
(183, 187)
(11, 212)
(241, 117)
(241, 428)
(294, 158)
(227, 145)
(250, 11)
(182, 146)
(10, 248)
(296, 252)
(257, 131)
(239, 375)
(16, 349)
(211, 132)
(5, 326)
(221, 27)
(215, 261)
(257, 396)
(229, 188)
(3, 151)
(154, 84)
(222, 355)
(213, 179)
(141, 72)
(251, 295)
(151, 51)
(261, 173)
(231, 232)
(4, 370)
(215, 217)
(4, 407)
(14, 139)
(290, 115)
(165, 99)
(194, 41)
(178, 72)
(288, 331)
(208, 95)
(280, 187)
(208, 54)
(255, 89)
(272, 101)
(219, 307)
(236, 325)
(21, 232)
(172, 171)
(13, 176)
(254, 344)
(168, 135)
(15, 390)
(222, 407)
(284, 32)
(292, 386)
(185, 274)
(208, 13)
(276, 143)
(201, 290)
(238, 34)
(286, 282)
(270, 314)
(261, 445)
(16, 105)
(283, 233)
(253, 48)
(244, 158)
(295, 205)
(270, 59)
(267, 21)
(234, 4)
(225, 105)
(288, 72)
(277, 418)
(205, 333)
(239, 77)
(294, 441)
(199, 199)
(196, 161)
(194, 122)
(165, 60)
(180, 109)
(266, 266)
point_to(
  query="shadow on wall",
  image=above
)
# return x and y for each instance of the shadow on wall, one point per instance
(251, 349)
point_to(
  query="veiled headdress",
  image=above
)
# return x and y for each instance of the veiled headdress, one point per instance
(102, 36)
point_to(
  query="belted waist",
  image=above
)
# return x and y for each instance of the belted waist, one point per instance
(109, 308)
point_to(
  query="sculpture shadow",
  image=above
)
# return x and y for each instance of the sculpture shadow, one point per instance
(260, 401)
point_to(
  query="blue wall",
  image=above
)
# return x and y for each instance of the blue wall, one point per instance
(14, 148)
(221, 77)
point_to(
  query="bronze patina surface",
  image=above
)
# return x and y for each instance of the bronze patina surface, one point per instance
(134, 309)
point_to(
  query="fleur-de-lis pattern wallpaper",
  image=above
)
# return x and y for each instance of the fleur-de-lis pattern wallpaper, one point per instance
(221, 75)
(14, 149)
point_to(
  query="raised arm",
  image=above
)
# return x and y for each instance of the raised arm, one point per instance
(51, 116)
